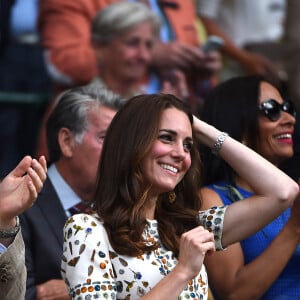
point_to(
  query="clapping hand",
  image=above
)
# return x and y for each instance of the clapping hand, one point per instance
(19, 189)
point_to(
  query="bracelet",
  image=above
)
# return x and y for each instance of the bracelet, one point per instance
(218, 143)
(12, 232)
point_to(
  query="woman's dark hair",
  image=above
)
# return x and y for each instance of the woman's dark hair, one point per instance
(121, 189)
(231, 107)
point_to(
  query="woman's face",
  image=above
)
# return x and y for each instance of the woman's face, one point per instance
(128, 55)
(275, 137)
(169, 157)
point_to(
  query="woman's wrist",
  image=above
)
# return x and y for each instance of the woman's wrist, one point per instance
(206, 133)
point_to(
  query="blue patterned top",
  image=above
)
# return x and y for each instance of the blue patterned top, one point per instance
(93, 270)
(287, 286)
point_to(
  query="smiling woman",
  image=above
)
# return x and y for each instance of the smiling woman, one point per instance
(122, 35)
(148, 238)
(169, 158)
(252, 111)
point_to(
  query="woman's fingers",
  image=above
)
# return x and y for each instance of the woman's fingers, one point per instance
(194, 245)
(37, 174)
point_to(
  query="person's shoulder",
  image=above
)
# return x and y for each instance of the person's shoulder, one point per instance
(83, 226)
(210, 198)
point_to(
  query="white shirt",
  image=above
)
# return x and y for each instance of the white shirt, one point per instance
(66, 195)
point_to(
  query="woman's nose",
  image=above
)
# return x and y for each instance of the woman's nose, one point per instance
(179, 151)
(144, 52)
(288, 118)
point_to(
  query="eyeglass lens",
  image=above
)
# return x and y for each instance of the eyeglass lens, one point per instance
(272, 109)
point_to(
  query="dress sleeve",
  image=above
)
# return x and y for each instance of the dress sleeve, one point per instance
(86, 266)
(213, 220)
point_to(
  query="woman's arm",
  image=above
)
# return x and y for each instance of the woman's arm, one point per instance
(231, 278)
(274, 190)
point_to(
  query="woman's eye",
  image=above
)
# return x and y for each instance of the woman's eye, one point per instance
(101, 138)
(149, 45)
(166, 137)
(188, 146)
(132, 42)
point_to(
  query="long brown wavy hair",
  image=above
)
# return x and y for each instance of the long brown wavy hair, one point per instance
(122, 190)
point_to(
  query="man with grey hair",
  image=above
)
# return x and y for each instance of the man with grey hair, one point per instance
(76, 129)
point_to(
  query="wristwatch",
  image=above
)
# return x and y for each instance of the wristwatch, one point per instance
(12, 232)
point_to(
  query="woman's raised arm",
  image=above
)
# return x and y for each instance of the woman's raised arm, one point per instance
(274, 190)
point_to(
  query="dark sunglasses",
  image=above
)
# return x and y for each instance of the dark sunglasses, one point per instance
(272, 109)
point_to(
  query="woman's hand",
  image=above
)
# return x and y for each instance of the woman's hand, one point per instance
(194, 245)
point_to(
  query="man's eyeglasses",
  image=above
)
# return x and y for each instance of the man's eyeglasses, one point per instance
(272, 109)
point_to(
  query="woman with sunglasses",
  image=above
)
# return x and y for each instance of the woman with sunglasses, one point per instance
(267, 264)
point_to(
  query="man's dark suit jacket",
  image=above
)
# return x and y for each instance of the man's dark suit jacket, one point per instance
(42, 229)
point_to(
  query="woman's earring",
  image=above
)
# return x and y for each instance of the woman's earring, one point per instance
(172, 197)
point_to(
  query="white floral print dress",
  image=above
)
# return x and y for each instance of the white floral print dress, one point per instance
(93, 270)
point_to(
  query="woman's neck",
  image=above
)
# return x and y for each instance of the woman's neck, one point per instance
(149, 207)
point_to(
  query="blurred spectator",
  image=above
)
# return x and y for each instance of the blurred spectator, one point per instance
(251, 30)
(65, 27)
(123, 35)
(76, 130)
(24, 83)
